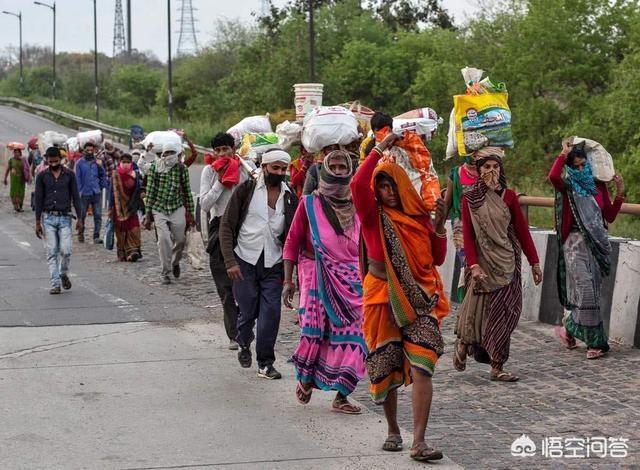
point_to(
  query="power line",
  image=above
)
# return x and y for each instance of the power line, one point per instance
(187, 41)
(119, 41)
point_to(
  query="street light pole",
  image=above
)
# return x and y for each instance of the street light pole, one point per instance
(95, 59)
(312, 45)
(169, 78)
(19, 16)
(53, 9)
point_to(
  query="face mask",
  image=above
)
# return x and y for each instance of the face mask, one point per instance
(125, 166)
(273, 180)
(55, 167)
(89, 156)
(491, 178)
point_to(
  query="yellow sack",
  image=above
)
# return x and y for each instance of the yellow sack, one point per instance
(482, 120)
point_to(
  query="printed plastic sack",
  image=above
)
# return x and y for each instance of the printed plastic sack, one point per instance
(161, 138)
(328, 125)
(600, 160)
(421, 126)
(289, 134)
(482, 120)
(254, 145)
(413, 156)
(362, 114)
(250, 125)
(95, 137)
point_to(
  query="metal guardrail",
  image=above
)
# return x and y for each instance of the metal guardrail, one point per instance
(122, 135)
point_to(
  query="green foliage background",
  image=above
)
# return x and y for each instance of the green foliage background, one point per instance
(571, 67)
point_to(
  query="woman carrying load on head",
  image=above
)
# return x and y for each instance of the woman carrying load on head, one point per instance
(323, 242)
(495, 235)
(403, 294)
(582, 208)
(461, 179)
(123, 209)
(19, 174)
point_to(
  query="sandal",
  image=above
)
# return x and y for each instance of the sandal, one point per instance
(459, 359)
(567, 341)
(423, 453)
(343, 406)
(303, 394)
(503, 376)
(594, 353)
(393, 443)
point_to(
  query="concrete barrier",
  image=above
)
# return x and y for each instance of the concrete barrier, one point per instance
(620, 296)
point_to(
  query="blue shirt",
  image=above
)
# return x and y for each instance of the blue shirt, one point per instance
(90, 177)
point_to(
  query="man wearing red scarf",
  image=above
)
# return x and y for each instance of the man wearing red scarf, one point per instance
(219, 178)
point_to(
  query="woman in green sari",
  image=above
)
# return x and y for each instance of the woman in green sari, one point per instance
(18, 172)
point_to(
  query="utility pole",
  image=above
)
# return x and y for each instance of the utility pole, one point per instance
(95, 59)
(187, 40)
(312, 45)
(129, 27)
(169, 78)
(53, 9)
(19, 16)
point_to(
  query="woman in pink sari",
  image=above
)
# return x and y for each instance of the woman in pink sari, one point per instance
(323, 241)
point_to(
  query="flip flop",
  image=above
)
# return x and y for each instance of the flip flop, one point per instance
(594, 353)
(393, 443)
(423, 453)
(343, 406)
(503, 376)
(565, 339)
(459, 363)
(303, 395)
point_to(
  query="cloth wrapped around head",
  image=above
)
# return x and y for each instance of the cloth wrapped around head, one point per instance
(410, 201)
(335, 193)
(495, 181)
(33, 142)
(276, 155)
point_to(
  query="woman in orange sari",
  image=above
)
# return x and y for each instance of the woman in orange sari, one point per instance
(404, 300)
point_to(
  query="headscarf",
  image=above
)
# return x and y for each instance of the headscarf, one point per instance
(166, 162)
(582, 182)
(33, 142)
(491, 153)
(276, 155)
(335, 193)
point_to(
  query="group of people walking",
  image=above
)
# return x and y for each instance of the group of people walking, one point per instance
(358, 242)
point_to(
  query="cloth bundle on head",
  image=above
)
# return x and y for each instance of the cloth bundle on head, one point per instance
(276, 155)
(335, 193)
(230, 166)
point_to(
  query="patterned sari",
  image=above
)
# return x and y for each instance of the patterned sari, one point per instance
(583, 261)
(491, 308)
(125, 200)
(331, 351)
(403, 312)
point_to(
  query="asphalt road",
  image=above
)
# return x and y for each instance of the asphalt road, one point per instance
(17, 125)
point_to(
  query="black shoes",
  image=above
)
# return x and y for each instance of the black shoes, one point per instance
(269, 372)
(176, 271)
(66, 282)
(244, 357)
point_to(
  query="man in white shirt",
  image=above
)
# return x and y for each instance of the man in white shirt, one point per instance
(252, 233)
(217, 182)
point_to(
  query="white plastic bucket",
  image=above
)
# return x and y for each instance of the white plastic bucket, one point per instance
(307, 97)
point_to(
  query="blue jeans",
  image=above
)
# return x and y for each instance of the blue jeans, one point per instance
(259, 298)
(95, 200)
(57, 231)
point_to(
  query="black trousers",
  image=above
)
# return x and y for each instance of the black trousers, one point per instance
(224, 286)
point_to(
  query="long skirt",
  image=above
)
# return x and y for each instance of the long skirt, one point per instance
(584, 282)
(327, 357)
(128, 243)
(395, 351)
(486, 321)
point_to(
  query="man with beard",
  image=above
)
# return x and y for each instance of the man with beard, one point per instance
(252, 233)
